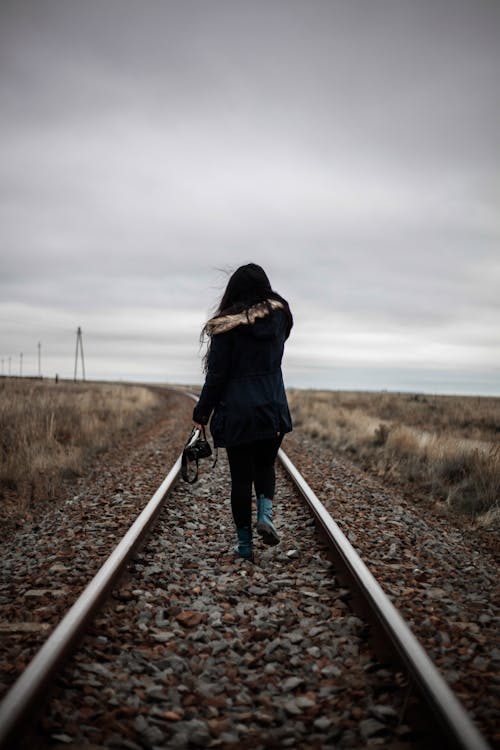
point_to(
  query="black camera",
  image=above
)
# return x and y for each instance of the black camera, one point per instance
(196, 447)
(200, 449)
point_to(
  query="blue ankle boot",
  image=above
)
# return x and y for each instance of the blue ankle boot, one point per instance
(245, 546)
(264, 521)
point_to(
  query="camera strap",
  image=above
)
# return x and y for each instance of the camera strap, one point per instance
(186, 463)
(196, 447)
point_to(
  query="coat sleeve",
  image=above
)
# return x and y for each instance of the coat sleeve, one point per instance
(219, 361)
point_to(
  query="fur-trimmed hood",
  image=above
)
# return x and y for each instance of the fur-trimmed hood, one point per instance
(223, 323)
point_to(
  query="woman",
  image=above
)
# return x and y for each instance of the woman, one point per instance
(244, 390)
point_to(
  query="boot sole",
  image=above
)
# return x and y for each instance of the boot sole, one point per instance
(269, 536)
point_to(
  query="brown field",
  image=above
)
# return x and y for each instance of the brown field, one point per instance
(49, 432)
(446, 447)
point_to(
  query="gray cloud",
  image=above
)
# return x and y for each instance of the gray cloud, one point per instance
(351, 149)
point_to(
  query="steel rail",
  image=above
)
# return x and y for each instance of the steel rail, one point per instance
(29, 692)
(449, 714)
(446, 711)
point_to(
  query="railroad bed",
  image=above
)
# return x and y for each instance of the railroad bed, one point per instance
(200, 646)
(196, 647)
(440, 572)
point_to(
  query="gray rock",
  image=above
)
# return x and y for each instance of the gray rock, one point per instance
(480, 663)
(371, 728)
(291, 683)
(198, 732)
(257, 590)
(205, 689)
(154, 735)
(304, 702)
(175, 663)
(322, 723)
(121, 743)
(219, 646)
(140, 724)
(155, 693)
(296, 636)
(384, 712)
(179, 741)
(292, 708)
(62, 738)
(276, 643)
(229, 738)
(331, 671)
(163, 636)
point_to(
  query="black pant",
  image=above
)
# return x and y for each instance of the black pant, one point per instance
(251, 464)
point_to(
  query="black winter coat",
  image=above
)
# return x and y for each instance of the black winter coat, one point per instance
(244, 385)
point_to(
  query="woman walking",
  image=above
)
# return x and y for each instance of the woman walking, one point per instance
(245, 395)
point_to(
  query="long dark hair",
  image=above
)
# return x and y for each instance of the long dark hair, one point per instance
(247, 286)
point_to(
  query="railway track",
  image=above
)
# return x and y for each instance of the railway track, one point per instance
(224, 653)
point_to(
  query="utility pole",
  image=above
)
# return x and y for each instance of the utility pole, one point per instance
(21, 365)
(10, 361)
(39, 359)
(79, 346)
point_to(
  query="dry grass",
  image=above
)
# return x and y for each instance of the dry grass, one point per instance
(49, 432)
(446, 446)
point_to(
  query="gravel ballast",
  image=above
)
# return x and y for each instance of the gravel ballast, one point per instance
(201, 648)
(198, 648)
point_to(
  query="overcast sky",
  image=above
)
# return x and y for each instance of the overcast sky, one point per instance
(351, 148)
